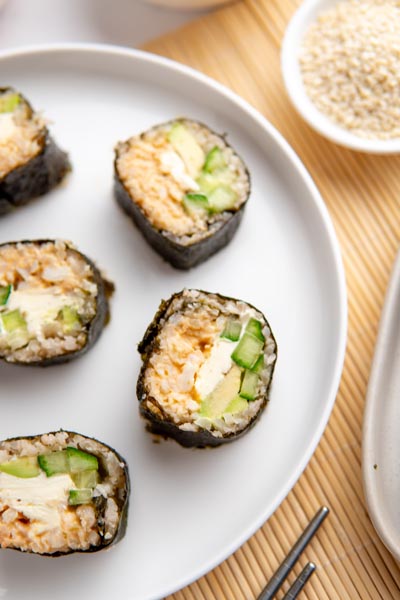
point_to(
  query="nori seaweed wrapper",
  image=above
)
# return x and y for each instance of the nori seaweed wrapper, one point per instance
(40, 174)
(93, 328)
(121, 499)
(158, 421)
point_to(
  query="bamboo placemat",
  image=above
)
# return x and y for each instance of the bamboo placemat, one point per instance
(239, 45)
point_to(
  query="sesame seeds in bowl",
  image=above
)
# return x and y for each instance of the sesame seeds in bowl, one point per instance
(341, 67)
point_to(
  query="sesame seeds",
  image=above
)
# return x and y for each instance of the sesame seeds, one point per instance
(350, 65)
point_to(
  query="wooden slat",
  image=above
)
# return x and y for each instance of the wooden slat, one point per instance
(239, 45)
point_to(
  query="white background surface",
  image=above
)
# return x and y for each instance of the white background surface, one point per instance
(189, 508)
(123, 22)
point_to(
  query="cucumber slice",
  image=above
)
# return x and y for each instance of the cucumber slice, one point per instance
(259, 365)
(255, 328)
(232, 330)
(195, 204)
(24, 467)
(9, 102)
(185, 144)
(248, 389)
(13, 320)
(81, 461)
(5, 291)
(80, 496)
(223, 197)
(69, 318)
(247, 351)
(86, 479)
(215, 160)
(54, 462)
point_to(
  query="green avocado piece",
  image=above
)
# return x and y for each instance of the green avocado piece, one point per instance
(82, 496)
(13, 320)
(215, 404)
(24, 467)
(185, 144)
(9, 102)
(237, 405)
(80, 460)
(69, 318)
(86, 479)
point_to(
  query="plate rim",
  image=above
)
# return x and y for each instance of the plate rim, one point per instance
(326, 222)
(380, 357)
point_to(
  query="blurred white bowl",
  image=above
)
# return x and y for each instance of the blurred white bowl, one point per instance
(302, 19)
(187, 4)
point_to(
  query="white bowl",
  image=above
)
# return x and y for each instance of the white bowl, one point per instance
(302, 19)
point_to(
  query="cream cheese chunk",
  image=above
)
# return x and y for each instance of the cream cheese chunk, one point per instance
(8, 127)
(38, 498)
(38, 307)
(172, 164)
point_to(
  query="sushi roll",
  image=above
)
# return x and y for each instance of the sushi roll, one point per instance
(53, 302)
(31, 164)
(60, 493)
(184, 187)
(208, 362)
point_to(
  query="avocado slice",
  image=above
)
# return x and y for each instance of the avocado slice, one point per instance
(185, 144)
(69, 318)
(216, 403)
(9, 102)
(237, 405)
(24, 467)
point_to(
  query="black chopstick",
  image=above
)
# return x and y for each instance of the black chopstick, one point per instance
(300, 582)
(282, 572)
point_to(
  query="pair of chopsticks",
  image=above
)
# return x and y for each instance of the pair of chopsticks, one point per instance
(282, 572)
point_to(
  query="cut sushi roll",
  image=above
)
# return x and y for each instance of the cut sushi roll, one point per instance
(53, 302)
(208, 362)
(184, 187)
(30, 162)
(61, 492)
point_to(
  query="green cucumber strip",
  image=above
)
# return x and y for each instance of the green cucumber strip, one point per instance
(81, 461)
(223, 197)
(247, 351)
(255, 328)
(215, 160)
(82, 496)
(195, 203)
(259, 365)
(232, 330)
(70, 319)
(248, 389)
(24, 467)
(9, 102)
(54, 462)
(5, 291)
(13, 320)
(86, 479)
(237, 405)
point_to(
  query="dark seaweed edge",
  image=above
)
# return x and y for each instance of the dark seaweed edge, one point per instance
(123, 505)
(165, 426)
(94, 327)
(38, 175)
(178, 255)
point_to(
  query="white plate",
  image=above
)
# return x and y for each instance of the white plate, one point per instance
(189, 509)
(381, 429)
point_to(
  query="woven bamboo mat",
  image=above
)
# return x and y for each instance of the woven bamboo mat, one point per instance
(239, 45)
